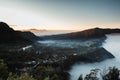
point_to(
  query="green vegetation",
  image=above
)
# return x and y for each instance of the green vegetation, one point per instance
(24, 76)
(112, 73)
(49, 72)
(3, 70)
(55, 72)
(6, 75)
(41, 72)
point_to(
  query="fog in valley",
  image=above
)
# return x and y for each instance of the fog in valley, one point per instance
(111, 44)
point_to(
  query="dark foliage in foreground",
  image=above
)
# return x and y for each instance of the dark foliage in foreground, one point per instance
(54, 72)
(112, 73)
(3, 70)
(42, 72)
(49, 72)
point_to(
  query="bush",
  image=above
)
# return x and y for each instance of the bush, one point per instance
(23, 76)
(3, 70)
(113, 74)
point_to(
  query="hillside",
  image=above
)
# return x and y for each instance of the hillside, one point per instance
(86, 34)
(9, 35)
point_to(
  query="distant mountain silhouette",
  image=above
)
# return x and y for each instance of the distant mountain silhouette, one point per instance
(8, 35)
(35, 30)
(86, 34)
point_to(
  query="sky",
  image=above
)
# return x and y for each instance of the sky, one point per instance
(60, 14)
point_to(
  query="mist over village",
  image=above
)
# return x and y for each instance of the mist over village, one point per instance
(59, 40)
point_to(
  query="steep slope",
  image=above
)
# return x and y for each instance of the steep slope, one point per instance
(8, 35)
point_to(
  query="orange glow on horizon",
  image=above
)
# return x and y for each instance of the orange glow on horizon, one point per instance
(15, 27)
(24, 21)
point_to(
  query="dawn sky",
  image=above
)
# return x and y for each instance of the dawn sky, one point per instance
(60, 14)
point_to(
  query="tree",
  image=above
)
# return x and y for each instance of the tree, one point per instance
(80, 78)
(92, 75)
(113, 74)
(3, 70)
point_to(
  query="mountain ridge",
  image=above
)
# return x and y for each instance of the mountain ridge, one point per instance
(9, 35)
(86, 34)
